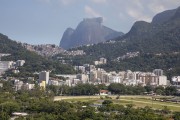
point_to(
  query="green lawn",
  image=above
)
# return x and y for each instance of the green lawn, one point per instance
(138, 101)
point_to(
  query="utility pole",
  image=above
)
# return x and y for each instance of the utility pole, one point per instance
(2, 108)
(152, 102)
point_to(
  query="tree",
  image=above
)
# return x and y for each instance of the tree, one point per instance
(116, 88)
(149, 88)
(107, 102)
(170, 90)
(102, 87)
(159, 90)
(53, 89)
(139, 90)
(176, 116)
(84, 89)
(9, 107)
(88, 114)
(4, 116)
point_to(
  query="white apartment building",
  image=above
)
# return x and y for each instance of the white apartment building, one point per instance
(5, 65)
(101, 61)
(80, 68)
(162, 80)
(152, 79)
(18, 84)
(158, 72)
(83, 77)
(115, 79)
(20, 63)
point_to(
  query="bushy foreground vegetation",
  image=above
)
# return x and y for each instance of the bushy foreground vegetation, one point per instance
(40, 104)
(114, 88)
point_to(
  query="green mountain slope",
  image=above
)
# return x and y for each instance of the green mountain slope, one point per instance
(34, 62)
(158, 37)
(143, 37)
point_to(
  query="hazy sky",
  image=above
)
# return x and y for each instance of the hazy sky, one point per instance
(44, 21)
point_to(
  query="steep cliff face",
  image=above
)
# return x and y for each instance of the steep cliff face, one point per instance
(89, 31)
(66, 39)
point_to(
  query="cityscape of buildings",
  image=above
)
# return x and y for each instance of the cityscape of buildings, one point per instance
(95, 76)
(89, 74)
(5, 65)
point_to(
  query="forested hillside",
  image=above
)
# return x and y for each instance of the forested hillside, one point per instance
(149, 39)
(143, 37)
(34, 62)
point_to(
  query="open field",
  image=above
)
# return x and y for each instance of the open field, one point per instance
(138, 101)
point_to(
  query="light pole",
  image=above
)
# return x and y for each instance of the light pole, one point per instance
(152, 102)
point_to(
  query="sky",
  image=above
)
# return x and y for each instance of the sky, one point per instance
(44, 21)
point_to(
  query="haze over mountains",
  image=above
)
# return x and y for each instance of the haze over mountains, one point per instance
(160, 36)
(89, 31)
(158, 45)
(158, 41)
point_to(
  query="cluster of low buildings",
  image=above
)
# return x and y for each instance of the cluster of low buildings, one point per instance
(128, 55)
(44, 49)
(51, 50)
(101, 61)
(43, 81)
(5, 65)
(18, 85)
(74, 52)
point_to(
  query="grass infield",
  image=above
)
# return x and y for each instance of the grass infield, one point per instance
(138, 101)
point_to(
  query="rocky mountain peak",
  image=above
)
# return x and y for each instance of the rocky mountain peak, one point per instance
(88, 31)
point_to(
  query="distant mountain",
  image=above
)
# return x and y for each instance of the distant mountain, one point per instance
(89, 31)
(163, 16)
(162, 35)
(158, 44)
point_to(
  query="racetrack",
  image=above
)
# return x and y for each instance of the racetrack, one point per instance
(138, 101)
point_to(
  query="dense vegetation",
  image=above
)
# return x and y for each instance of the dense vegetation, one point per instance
(114, 88)
(34, 62)
(39, 105)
